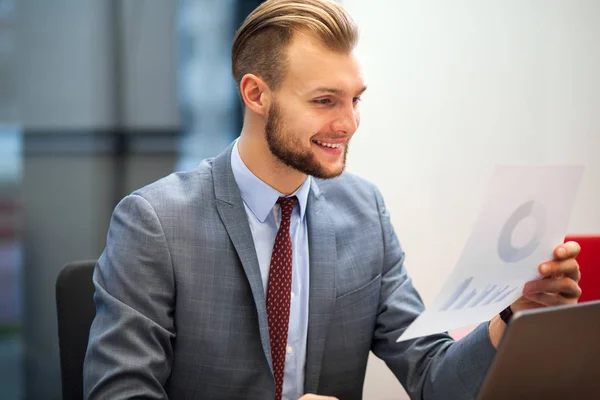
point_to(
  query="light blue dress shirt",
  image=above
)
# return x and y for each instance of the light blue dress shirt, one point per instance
(264, 216)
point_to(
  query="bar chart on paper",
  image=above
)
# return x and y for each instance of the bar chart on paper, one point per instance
(467, 296)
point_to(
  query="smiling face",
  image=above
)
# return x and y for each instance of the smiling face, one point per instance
(314, 112)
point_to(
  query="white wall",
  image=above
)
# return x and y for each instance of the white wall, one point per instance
(456, 88)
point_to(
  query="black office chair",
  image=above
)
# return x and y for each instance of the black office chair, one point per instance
(76, 311)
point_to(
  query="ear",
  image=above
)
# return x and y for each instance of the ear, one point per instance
(255, 94)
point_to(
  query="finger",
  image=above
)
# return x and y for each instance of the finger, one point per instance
(567, 250)
(568, 268)
(549, 299)
(565, 287)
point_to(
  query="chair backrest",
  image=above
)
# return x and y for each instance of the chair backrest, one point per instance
(589, 264)
(76, 311)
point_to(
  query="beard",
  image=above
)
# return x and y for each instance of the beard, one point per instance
(288, 149)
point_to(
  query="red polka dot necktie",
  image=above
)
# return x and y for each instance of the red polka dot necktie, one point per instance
(279, 291)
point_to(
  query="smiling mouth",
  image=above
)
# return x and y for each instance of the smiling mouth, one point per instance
(329, 145)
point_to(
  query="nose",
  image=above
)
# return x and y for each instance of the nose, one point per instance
(347, 120)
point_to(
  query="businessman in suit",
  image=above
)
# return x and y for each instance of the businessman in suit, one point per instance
(267, 272)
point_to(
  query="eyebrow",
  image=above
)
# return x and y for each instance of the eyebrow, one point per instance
(337, 92)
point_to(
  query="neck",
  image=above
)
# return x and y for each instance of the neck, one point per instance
(257, 157)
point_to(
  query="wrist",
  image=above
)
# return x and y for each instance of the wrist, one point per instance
(496, 329)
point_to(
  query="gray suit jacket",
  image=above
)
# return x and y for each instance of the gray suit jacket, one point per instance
(181, 309)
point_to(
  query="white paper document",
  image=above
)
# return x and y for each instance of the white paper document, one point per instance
(525, 215)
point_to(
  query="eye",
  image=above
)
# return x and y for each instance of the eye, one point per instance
(356, 100)
(324, 102)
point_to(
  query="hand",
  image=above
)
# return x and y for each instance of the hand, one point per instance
(315, 397)
(559, 284)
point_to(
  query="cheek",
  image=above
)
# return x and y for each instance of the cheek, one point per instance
(310, 126)
(323, 124)
(308, 123)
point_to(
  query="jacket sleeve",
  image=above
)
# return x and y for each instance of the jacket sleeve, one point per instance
(130, 349)
(431, 367)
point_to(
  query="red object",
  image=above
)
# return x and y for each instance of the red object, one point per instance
(589, 264)
(279, 291)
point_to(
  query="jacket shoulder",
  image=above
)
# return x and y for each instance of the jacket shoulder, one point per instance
(179, 188)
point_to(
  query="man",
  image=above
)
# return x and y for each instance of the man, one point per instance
(256, 275)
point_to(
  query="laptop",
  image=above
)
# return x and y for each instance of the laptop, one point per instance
(548, 353)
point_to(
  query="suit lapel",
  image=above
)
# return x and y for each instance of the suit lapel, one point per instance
(322, 256)
(233, 214)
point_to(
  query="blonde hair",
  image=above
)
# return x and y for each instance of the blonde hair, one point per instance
(260, 43)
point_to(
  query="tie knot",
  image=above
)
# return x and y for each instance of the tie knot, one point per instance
(287, 206)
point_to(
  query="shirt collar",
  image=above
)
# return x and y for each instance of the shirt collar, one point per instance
(258, 195)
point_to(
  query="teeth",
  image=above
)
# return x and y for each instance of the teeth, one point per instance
(331, 145)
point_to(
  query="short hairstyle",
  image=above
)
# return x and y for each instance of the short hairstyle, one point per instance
(260, 43)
